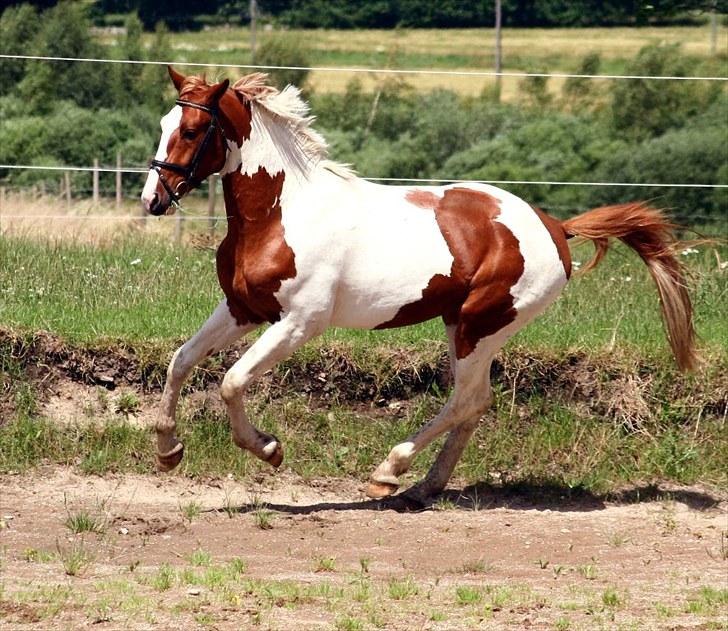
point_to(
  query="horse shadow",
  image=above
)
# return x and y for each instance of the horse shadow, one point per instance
(540, 496)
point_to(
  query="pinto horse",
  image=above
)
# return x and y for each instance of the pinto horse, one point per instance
(310, 246)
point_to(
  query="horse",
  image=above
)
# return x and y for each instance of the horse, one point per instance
(310, 245)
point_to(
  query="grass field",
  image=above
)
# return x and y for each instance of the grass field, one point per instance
(552, 50)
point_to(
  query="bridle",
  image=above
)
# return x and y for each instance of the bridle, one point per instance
(187, 172)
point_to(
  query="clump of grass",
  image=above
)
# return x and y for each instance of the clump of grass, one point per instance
(589, 572)
(324, 564)
(237, 566)
(611, 598)
(127, 403)
(75, 559)
(83, 521)
(262, 517)
(347, 623)
(200, 558)
(190, 511)
(401, 589)
(164, 578)
(468, 595)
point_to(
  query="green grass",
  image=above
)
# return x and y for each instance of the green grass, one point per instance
(557, 50)
(93, 295)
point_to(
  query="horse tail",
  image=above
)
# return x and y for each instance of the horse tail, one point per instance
(647, 231)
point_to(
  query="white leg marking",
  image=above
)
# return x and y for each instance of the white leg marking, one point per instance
(470, 398)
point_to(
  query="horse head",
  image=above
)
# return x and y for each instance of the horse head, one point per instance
(193, 144)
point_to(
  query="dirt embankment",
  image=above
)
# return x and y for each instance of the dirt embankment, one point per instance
(615, 387)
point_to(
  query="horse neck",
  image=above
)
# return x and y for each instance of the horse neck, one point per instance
(259, 140)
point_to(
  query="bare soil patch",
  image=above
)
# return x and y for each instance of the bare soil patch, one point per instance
(284, 553)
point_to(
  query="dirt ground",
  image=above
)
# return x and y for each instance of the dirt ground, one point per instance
(165, 552)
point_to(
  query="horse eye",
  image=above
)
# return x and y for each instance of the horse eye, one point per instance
(189, 134)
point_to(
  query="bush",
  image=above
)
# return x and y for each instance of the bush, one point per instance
(644, 108)
(284, 50)
(691, 155)
(18, 26)
(553, 147)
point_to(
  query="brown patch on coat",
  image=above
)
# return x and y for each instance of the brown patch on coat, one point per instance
(254, 258)
(487, 263)
(558, 236)
(423, 199)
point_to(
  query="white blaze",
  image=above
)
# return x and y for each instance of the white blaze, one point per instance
(169, 123)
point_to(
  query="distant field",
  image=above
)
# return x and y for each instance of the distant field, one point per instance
(555, 50)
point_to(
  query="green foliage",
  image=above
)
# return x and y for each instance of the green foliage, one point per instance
(643, 108)
(284, 51)
(18, 26)
(581, 93)
(696, 154)
(64, 32)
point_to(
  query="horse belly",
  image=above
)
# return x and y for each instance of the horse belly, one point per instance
(388, 267)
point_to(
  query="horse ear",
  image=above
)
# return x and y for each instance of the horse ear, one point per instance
(219, 89)
(176, 77)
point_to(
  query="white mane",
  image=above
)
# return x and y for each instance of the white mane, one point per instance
(286, 117)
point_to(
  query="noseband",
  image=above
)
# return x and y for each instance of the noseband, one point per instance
(187, 172)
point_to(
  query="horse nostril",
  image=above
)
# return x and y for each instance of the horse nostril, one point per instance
(154, 203)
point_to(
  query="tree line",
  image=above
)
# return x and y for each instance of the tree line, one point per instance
(183, 14)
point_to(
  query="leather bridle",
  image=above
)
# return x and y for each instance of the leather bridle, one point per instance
(187, 172)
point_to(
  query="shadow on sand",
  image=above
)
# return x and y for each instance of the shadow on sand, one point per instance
(516, 496)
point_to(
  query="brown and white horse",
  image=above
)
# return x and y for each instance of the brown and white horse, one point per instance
(310, 246)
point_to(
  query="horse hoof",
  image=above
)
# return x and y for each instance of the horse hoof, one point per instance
(273, 453)
(378, 490)
(167, 462)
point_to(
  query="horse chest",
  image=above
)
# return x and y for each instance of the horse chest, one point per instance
(251, 265)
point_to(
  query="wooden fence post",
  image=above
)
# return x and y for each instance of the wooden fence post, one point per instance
(118, 180)
(96, 182)
(67, 180)
(211, 195)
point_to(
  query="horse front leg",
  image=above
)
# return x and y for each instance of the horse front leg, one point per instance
(278, 342)
(219, 331)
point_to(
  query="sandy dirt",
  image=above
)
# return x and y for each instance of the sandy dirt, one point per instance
(318, 555)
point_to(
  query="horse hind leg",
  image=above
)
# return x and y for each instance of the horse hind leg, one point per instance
(469, 400)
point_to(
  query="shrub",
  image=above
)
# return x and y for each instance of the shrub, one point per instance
(284, 50)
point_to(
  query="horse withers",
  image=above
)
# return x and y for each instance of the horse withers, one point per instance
(310, 245)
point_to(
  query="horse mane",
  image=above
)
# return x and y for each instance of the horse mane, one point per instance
(287, 109)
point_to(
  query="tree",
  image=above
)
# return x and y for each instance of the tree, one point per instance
(65, 32)
(18, 26)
